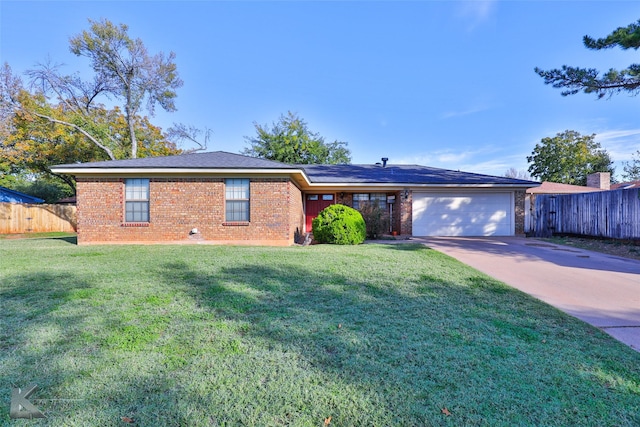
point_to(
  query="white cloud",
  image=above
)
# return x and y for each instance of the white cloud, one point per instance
(489, 160)
(453, 157)
(497, 166)
(473, 110)
(615, 134)
(439, 158)
(418, 159)
(476, 12)
(620, 144)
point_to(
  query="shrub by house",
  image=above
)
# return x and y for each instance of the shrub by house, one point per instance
(339, 224)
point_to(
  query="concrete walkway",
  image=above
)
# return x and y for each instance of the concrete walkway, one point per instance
(600, 289)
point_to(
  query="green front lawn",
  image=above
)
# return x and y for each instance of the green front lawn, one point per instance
(373, 335)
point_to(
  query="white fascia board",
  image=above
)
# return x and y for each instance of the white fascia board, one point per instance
(165, 171)
(413, 186)
(88, 171)
(513, 186)
(176, 171)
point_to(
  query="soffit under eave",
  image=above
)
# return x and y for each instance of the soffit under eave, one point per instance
(355, 188)
(297, 176)
(182, 174)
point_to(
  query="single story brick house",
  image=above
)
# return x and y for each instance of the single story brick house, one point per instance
(227, 198)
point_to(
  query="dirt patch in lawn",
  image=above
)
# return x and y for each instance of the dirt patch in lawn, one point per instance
(53, 234)
(611, 247)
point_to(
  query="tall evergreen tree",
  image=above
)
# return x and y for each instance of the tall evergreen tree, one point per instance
(589, 80)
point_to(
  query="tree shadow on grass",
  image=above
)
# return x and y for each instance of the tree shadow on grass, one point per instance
(93, 365)
(403, 246)
(33, 334)
(68, 239)
(280, 344)
(488, 353)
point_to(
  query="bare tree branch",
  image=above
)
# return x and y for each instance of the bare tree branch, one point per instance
(181, 132)
(79, 129)
(128, 71)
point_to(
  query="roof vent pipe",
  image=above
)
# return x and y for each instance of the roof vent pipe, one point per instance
(384, 161)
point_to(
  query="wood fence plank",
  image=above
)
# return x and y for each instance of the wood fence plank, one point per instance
(613, 214)
(36, 218)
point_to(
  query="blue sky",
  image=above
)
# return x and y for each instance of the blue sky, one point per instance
(441, 83)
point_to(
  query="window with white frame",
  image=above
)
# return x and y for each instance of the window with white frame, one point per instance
(360, 199)
(237, 200)
(136, 199)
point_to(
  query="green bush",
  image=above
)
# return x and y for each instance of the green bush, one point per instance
(376, 219)
(339, 224)
(49, 189)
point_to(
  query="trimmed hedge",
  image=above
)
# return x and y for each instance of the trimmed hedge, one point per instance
(339, 224)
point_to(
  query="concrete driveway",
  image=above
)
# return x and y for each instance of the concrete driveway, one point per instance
(600, 289)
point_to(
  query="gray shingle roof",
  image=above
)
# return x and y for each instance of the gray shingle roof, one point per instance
(317, 174)
(211, 160)
(400, 174)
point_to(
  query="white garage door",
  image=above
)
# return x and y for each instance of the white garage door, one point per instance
(463, 214)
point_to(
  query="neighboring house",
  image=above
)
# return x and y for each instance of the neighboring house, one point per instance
(66, 201)
(600, 181)
(12, 196)
(221, 197)
(626, 185)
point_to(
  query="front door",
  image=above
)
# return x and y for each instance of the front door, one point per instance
(314, 204)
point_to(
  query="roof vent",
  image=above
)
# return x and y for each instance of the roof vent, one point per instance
(384, 161)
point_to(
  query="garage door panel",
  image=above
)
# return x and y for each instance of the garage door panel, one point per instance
(483, 214)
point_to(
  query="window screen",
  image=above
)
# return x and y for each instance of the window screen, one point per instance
(360, 199)
(136, 199)
(237, 200)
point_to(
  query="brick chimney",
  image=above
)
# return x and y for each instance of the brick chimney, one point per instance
(601, 180)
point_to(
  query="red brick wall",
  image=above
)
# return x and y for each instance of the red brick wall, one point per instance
(177, 205)
(406, 213)
(99, 206)
(296, 211)
(519, 198)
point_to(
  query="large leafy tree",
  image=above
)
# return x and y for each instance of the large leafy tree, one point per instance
(568, 158)
(589, 80)
(123, 71)
(34, 144)
(632, 169)
(290, 141)
(62, 118)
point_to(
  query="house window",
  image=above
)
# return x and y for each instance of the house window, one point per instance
(360, 199)
(136, 199)
(237, 200)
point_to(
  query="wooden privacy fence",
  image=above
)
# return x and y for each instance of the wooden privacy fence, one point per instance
(32, 218)
(613, 214)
